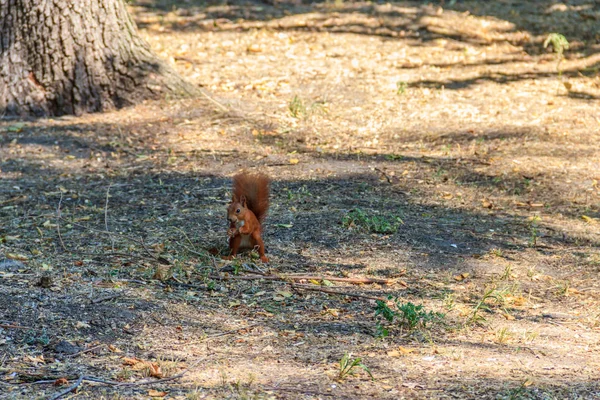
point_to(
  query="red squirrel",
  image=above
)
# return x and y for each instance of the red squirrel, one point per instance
(246, 213)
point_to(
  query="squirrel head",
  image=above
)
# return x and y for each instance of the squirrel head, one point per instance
(237, 209)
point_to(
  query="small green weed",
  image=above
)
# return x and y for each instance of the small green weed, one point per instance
(559, 44)
(491, 295)
(394, 157)
(297, 107)
(347, 366)
(298, 194)
(33, 338)
(401, 87)
(374, 224)
(533, 229)
(405, 315)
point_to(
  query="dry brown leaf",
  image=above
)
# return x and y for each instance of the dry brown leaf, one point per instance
(131, 361)
(114, 349)
(462, 276)
(155, 370)
(254, 48)
(156, 393)
(61, 382)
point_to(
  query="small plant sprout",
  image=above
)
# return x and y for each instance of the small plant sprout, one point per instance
(405, 315)
(491, 295)
(374, 224)
(559, 44)
(348, 365)
(400, 87)
(533, 229)
(297, 107)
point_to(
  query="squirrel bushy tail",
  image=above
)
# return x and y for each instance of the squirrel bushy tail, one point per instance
(255, 187)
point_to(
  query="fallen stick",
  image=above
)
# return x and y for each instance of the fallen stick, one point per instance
(336, 279)
(301, 278)
(9, 326)
(86, 351)
(107, 298)
(331, 291)
(229, 332)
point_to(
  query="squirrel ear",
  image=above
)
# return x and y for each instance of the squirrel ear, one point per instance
(233, 199)
(243, 200)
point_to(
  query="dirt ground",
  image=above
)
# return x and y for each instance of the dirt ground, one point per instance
(468, 152)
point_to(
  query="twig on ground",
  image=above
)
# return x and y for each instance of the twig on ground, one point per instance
(230, 331)
(301, 278)
(221, 106)
(112, 240)
(10, 326)
(86, 350)
(382, 172)
(331, 291)
(58, 217)
(106, 298)
(69, 389)
(336, 279)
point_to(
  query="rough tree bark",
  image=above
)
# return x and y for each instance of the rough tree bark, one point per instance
(73, 56)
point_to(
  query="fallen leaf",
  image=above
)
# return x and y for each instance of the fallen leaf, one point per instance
(155, 370)
(567, 85)
(485, 203)
(334, 312)
(156, 393)
(130, 361)
(254, 48)
(61, 382)
(462, 276)
(405, 350)
(81, 324)
(294, 161)
(114, 349)
(587, 219)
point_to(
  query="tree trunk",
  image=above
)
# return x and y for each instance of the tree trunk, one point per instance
(73, 56)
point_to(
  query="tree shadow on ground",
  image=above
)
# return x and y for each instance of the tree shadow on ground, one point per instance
(579, 22)
(114, 218)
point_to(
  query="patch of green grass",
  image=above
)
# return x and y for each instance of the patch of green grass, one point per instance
(401, 87)
(298, 194)
(33, 337)
(559, 44)
(347, 366)
(372, 223)
(491, 296)
(297, 107)
(405, 315)
(533, 230)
